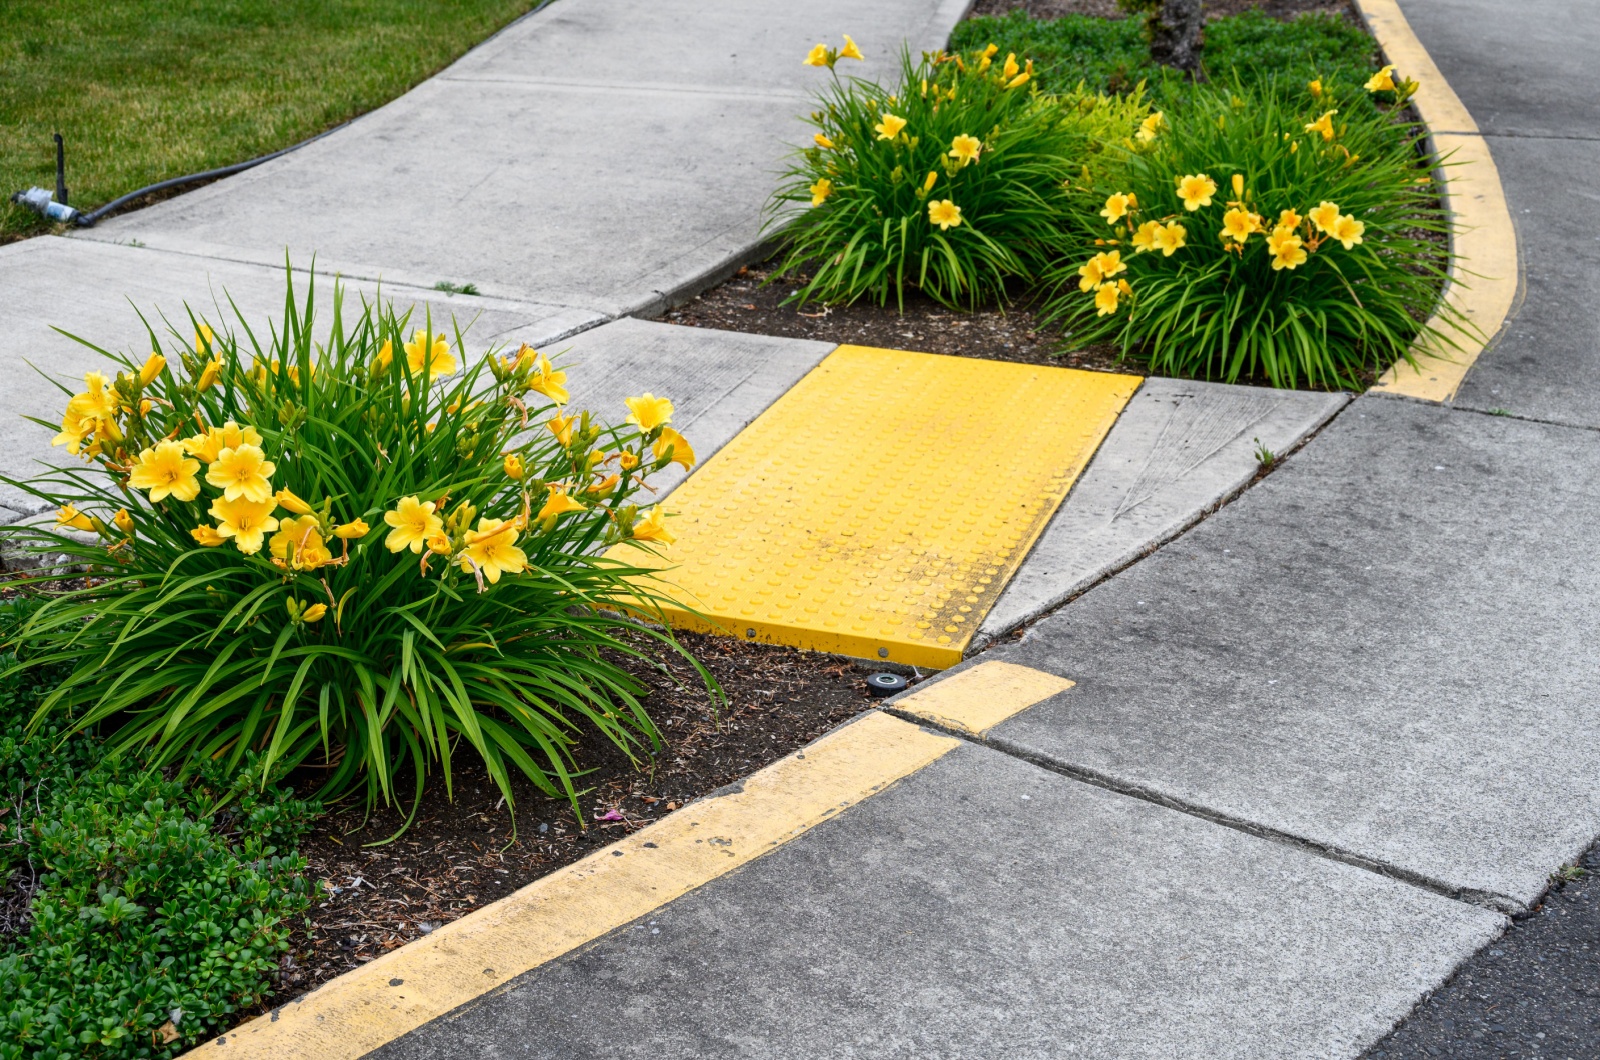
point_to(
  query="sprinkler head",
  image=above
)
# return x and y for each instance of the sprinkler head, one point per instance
(882, 685)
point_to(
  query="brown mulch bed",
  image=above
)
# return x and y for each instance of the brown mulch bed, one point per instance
(748, 303)
(458, 856)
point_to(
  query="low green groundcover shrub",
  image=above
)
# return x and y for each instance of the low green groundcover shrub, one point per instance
(159, 909)
(1113, 55)
(1266, 232)
(356, 555)
(948, 181)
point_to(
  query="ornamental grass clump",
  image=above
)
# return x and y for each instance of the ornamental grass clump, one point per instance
(949, 182)
(1267, 233)
(353, 556)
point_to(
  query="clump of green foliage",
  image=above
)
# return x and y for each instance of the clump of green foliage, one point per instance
(365, 553)
(949, 181)
(1112, 55)
(158, 909)
(1263, 232)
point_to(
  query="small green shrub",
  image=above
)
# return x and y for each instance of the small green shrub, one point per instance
(949, 181)
(156, 903)
(240, 600)
(1112, 55)
(1261, 235)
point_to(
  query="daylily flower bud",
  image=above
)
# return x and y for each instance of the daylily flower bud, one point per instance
(514, 468)
(152, 368)
(288, 501)
(314, 613)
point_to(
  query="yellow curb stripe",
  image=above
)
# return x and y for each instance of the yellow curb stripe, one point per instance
(976, 700)
(1484, 276)
(400, 991)
(880, 506)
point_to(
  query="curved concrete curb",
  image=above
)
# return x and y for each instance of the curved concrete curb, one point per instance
(1485, 242)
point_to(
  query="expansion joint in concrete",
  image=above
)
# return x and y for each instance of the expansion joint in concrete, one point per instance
(1490, 900)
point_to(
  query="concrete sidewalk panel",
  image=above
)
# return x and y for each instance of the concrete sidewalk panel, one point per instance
(600, 198)
(93, 289)
(1178, 449)
(983, 907)
(1384, 648)
(726, 45)
(718, 380)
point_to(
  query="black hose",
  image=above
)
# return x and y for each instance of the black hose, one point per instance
(87, 220)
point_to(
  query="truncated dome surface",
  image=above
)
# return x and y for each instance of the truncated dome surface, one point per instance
(878, 508)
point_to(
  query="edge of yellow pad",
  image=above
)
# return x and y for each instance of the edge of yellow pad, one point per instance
(976, 700)
(1486, 290)
(361, 1010)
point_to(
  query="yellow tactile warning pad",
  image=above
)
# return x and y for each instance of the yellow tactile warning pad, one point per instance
(878, 508)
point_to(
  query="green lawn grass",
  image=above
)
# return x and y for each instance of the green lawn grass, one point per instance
(145, 90)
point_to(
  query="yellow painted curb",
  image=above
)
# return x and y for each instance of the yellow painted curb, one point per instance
(1485, 244)
(976, 700)
(879, 507)
(419, 982)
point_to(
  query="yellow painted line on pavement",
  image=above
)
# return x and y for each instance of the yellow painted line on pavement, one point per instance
(356, 1013)
(976, 700)
(878, 508)
(1484, 276)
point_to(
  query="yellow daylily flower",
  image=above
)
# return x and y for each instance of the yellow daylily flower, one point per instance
(298, 544)
(385, 356)
(817, 56)
(1108, 265)
(165, 471)
(1196, 190)
(123, 520)
(649, 412)
(413, 522)
(1382, 81)
(152, 368)
(965, 148)
(242, 471)
(209, 444)
(493, 550)
(1347, 230)
(652, 528)
(850, 51)
(1323, 215)
(1151, 127)
(628, 461)
(70, 516)
(354, 530)
(561, 426)
(1323, 125)
(1289, 219)
(944, 213)
(820, 191)
(431, 355)
(514, 468)
(558, 504)
(549, 381)
(1145, 237)
(1010, 69)
(1287, 249)
(244, 520)
(1117, 207)
(1172, 237)
(1105, 299)
(890, 127)
(208, 375)
(1238, 225)
(290, 503)
(1315, 88)
(1089, 276)
(207, 536)
(681, 452)
(439, 544)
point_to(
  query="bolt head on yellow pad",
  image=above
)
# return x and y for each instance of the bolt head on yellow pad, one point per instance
(878, 508)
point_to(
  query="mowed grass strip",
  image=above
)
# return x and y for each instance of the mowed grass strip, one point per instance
(147, 90)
